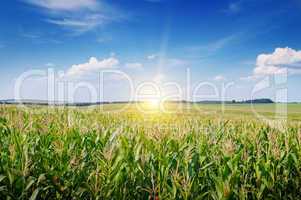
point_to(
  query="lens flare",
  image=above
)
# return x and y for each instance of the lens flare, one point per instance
(155, 103)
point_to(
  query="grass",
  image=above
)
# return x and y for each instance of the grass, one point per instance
(197, 152)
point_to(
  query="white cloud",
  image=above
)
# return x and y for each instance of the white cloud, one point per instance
(152, 57)
(219, 78)
(93, 65)
(65, 5)
(77, 15)
(282, 60)
(84, 24)
(134, 65)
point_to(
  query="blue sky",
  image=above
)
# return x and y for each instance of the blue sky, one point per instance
(240, 42)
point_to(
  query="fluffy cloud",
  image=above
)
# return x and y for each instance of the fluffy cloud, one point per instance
(281, 61)
(134, 65)
(93, 65)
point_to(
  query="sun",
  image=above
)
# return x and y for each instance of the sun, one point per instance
(155, 103)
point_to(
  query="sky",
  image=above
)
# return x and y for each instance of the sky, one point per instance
(101, 50)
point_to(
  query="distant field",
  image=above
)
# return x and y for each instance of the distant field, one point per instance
(118, 151)
(293, 111)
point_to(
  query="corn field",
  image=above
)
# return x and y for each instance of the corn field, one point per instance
(88, 153)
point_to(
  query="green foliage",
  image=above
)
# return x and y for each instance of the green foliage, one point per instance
(60, 153)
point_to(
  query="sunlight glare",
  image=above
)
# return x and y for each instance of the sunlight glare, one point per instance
(155, 103)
